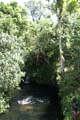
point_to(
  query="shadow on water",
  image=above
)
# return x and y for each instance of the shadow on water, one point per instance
(35, 102)
(53, 109)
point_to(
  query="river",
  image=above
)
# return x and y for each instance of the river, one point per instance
(34, 102)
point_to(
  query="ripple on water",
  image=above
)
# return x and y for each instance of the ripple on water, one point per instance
(29, 106)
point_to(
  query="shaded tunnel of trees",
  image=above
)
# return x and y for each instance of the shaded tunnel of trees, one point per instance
(44, 49)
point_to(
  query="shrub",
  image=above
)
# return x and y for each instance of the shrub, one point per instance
(11, 58)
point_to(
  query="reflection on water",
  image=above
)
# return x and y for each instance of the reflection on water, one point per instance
(33, 100)
(34, 103)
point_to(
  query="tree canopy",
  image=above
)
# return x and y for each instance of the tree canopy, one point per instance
(48, 52)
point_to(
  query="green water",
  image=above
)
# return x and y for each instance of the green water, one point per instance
(41, 107)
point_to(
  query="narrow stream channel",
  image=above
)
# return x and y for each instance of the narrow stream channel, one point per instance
(34, 102)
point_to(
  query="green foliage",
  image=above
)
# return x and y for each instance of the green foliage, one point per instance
(13, 24)
(38, 9)
(70, 83)
(43, 44)
(11, 57)
(13, 19)
(39, 43)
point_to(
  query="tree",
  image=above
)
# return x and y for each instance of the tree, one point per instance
(13, 26)
(68, 17)
(43, 52)
(38, 9)
(11, 58)
(13, 19)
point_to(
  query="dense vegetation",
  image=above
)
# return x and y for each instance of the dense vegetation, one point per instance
(46, 51)
(11, 50)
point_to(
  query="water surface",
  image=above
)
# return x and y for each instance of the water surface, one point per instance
(34, 103)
